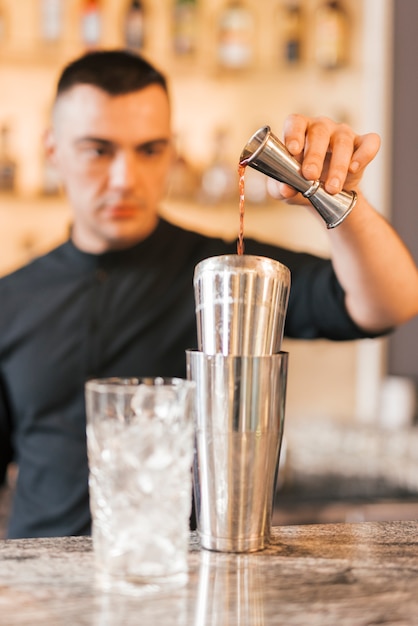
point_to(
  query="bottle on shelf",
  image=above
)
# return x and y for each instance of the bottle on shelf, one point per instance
(51, 20)
(185, 27)
(235, 47)
(91, 23)
(332, 30)
(292, 32)
(219, 182)
(8, 166)
(134, 25)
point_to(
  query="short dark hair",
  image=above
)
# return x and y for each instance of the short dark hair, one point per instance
(116, 72)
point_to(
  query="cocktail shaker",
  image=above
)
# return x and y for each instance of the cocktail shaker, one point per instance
(240, 404)
(266, 153)
(241, 303)
(240, 376)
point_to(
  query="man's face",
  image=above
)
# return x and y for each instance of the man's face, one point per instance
(113, 154)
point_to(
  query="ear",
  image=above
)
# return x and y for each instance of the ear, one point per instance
(50, 146)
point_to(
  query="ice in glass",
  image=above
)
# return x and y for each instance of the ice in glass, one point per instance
(140, 450)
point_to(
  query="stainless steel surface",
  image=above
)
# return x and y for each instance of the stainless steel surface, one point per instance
(241, 304)
(266, 153)
(240, 404)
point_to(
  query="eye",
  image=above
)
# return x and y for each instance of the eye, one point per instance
(153, 148)
(99, 151)
(95, 149)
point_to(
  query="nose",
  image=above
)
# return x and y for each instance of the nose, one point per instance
(123, 171)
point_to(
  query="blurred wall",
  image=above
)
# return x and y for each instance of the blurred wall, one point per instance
(403, 346)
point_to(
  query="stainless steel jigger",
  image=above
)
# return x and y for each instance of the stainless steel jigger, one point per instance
(266, 153)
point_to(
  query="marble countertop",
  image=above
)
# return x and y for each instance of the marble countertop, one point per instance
(345, 574)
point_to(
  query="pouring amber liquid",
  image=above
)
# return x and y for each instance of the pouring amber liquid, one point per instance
(241, 189)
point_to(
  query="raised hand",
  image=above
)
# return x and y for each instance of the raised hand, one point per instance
(327, 150)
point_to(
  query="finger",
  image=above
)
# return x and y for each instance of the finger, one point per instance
(365, 149)
(317, 144)
(294, 131)
(342, 148)
(279, 191)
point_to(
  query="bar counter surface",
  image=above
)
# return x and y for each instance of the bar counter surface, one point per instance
(345, 574)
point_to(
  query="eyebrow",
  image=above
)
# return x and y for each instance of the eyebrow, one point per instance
(106, 143)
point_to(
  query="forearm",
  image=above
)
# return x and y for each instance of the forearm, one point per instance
(373, 265)
(375, 269)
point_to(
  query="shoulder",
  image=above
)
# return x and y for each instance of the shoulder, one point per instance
(36, 267)
(19, 287)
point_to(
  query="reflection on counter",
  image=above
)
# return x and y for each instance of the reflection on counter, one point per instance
(229, 587)
(112, 609)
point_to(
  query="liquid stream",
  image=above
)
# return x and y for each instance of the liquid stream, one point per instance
(241, 189)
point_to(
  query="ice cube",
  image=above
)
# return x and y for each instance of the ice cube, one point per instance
(155, 401)
(161, 458)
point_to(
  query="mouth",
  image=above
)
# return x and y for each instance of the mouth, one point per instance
(122, 210)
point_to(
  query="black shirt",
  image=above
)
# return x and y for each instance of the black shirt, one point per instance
(70, 315)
